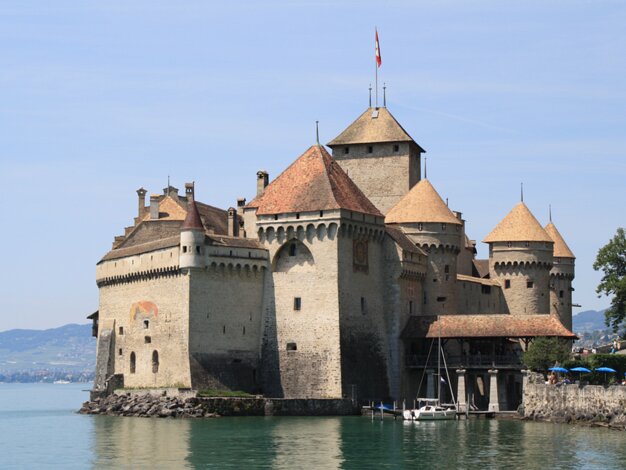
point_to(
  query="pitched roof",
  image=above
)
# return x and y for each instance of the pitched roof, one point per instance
(313, 182)
(485, 326)
(421, 204)
(519, 225)
(480, 267)
(192, 220)
(370, 129)
(146, 247)
(561, 250)
(403, 240)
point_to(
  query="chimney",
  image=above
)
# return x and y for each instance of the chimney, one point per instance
(189, 192)
(141, 204)
(154, 207)
(233, 222)
(262, 178)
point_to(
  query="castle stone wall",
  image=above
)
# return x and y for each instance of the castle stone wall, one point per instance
(561, 277)
(305, 341)
(150, 315)
(383, 175)
(480, 296)
(364, 348)
(225, 327)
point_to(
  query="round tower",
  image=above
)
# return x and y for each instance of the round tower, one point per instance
(431, 225)
(561, 276)
(192, 239)
(520, 257)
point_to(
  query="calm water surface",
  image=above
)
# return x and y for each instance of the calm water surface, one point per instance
(40, 429)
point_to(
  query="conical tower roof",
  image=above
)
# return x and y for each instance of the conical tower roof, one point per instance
(193, 220)
(519, 225)
(421, 204)
(313, 182)
(375, 125)
(561, 250)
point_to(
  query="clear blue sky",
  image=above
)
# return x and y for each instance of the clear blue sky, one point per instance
(98, 98)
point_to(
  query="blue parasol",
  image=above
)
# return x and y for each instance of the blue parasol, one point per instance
(580, 371)
(558, 369)
(605, 369)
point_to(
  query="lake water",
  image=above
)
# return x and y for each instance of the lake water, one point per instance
(40, 429)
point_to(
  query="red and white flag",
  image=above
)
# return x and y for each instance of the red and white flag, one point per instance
(379, 60)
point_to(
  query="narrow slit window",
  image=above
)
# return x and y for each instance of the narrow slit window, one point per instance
(507, 283)
(363, 305)
(292, 249)
(155, 362)
(297, 303)
(133, 362)
(121, 330)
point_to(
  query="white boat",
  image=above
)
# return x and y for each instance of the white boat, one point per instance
(431, 409)
(61, 382)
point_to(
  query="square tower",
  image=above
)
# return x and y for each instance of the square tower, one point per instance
(379, 156)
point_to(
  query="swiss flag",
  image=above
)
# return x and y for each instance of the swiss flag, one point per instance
(379, 60)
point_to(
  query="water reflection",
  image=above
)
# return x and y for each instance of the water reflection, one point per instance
(349, 443)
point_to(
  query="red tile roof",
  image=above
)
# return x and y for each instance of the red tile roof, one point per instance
(313, 182)
(192, 220)
(485, 326)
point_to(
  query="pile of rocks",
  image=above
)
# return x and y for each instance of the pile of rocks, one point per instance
(147, 405)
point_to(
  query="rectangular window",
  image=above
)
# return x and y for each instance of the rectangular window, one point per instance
(396, 148)
(363, 305)
(119, 351)
(147, 339)
(485, 289)
(121, 330)
(446, 268)
(346, 150)
(420, 226)
(410, 307)
(297, 303)
(198, 249)
(443, 226)
(370, 149)
(529, 284)
(507, 283)
(560, 294)
(292, 249)
(184, 249)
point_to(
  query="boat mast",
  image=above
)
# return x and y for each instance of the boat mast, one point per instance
(438, 360)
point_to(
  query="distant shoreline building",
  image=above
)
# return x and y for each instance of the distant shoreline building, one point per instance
(332, 282)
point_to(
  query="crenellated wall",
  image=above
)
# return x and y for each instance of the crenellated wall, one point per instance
(301, 348)
(523, 271)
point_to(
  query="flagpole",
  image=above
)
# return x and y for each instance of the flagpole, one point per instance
(376, 64)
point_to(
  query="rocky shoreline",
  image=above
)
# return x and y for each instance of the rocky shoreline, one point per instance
(151, 405)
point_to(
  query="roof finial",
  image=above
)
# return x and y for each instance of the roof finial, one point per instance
(522, 191)
(384, 95)
(550, 212)
(370, 95)
(317, 132)
(425, 168)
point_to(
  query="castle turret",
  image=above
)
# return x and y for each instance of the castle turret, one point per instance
(520, 257)
(561, 276)
(192, 238)
(428, 222)
(379, 156)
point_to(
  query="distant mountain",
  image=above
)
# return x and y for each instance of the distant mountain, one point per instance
(67, 349)
(588, 321)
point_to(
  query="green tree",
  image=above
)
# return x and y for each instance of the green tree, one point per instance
(544, 352)
(611, 260)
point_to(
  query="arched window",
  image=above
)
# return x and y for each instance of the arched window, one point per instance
(133, 361)
(155, 362)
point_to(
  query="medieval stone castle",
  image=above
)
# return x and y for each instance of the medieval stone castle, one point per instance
(332, 282)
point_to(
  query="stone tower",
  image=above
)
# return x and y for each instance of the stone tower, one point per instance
(322, 335)
(428, 222)
(379, 156)
(561, 277)
(520, 257)
(192, 238)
